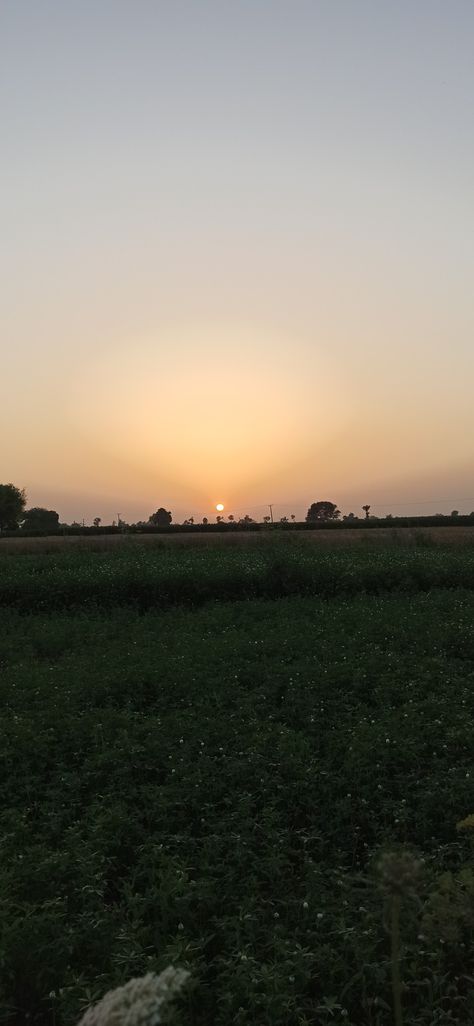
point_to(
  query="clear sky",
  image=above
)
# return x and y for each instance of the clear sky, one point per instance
(237, 251)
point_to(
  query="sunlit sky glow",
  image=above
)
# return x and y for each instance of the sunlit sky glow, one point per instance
(237, 255)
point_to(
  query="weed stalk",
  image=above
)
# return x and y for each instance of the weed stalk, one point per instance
(395, 955)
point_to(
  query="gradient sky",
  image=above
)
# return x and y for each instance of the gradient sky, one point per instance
(236, 250)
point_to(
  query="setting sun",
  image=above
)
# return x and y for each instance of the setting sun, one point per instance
(254, 311)
(238, 259)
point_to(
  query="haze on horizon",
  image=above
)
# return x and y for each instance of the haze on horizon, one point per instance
(237, 255)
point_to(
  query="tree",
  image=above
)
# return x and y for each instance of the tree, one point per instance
(12, 504)
(266, 520)
(219, 519)
(366, 510)
(283, 520)
(231, 518)
(162, 518)
(246, 520)
(39, 519)
(97, 521)
(454, 512)
(350, 516)
(322, 511)
(293, 517)
(205, 521)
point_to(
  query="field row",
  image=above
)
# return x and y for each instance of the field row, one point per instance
(174, 575)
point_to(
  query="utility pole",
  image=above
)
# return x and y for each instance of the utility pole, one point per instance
(270, 506)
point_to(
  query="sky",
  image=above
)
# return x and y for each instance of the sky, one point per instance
(236, 255)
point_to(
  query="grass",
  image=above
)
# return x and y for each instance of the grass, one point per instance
(211, 784)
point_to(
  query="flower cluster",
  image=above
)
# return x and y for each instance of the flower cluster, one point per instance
(138, 1003)
(467, 823)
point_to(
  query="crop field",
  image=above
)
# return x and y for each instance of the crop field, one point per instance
(409, 536)
(207, 749)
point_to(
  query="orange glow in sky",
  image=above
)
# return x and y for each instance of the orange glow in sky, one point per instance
(245, 286)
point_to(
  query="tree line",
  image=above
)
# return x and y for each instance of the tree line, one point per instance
(15, 516)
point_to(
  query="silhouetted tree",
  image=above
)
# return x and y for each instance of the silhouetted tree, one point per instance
(12, 504)
(189, 521)
(283, 520)
(231, 518)
(40, 519)
(162, 518)
(246, 520)
(96, 521)
(350, 516)
(266, 520)
(219, 519)
(205, 521)
(293, 517)
(322, 511)
(366, 510)
(454, 512)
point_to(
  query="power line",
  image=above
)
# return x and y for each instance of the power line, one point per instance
(286, 504)
(424, 502)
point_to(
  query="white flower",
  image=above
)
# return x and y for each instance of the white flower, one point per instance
(138, 1003)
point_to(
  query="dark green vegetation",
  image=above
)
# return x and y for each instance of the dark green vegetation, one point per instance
(12, 504)
(210, 784)
(159, 524)
(167, 574)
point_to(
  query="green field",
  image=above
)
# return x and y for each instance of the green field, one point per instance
(204, 750)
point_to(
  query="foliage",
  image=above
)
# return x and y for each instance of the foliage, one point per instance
(162, 518)
(213, 788)
(434, 525)
(323, 510)
(40, 519)
(146, 577)
(12, 504)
